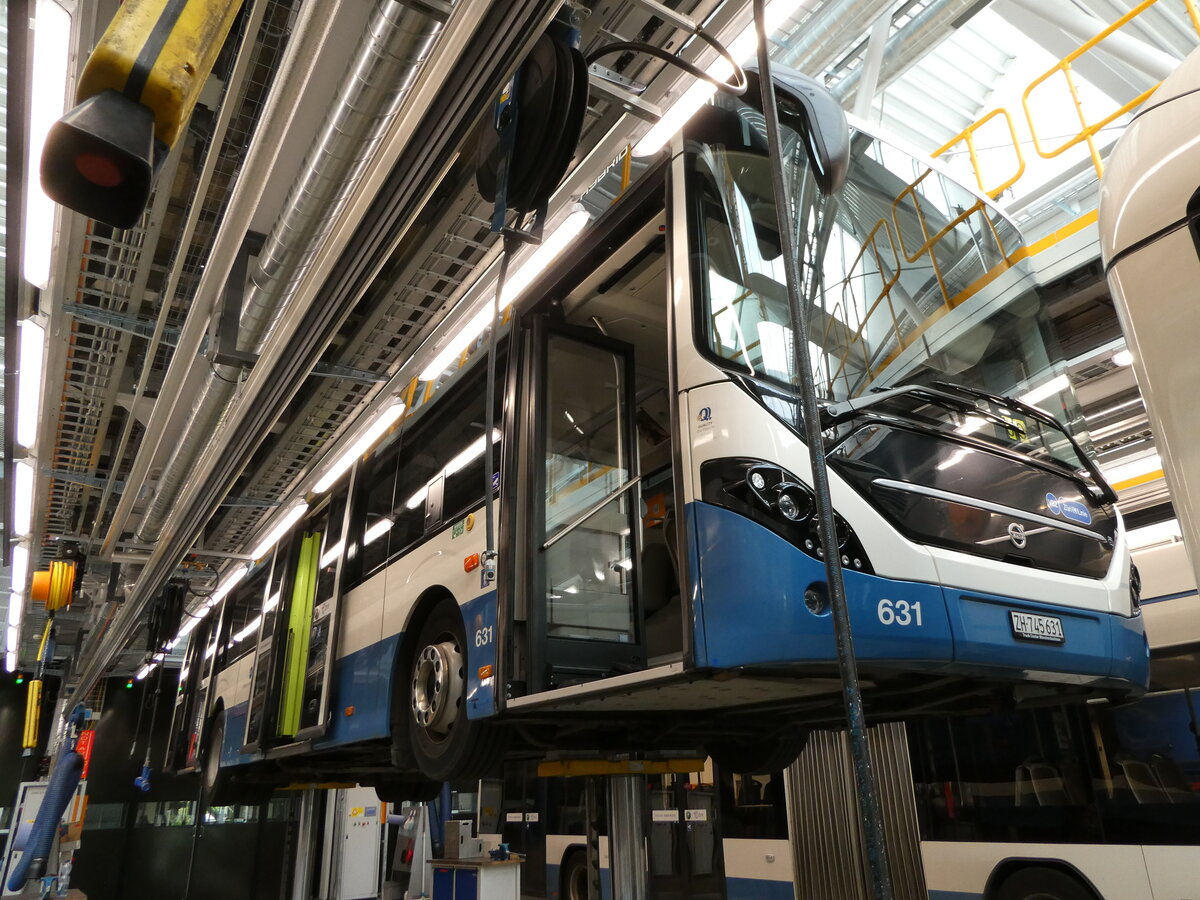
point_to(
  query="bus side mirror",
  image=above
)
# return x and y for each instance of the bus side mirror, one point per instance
(806, 105)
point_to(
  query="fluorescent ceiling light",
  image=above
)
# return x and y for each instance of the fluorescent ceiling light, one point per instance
(23, 498)
(1159, 533)
(1134, 468)
(10, 662)
(51, 57)
(374, 431)
(741, 48)
(230, 582)
(191, 620)
(1055, 385)
(518, 280)
(330, 556)
(272, 602)
(251, 627)
(468, 456)
(14, 635)
(146, 670)
(20, 567)
(290, 518)
(29, 381)
(1123, 358)
(16, 609)
(378, 530)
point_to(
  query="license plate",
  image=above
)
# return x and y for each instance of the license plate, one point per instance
(1037, 628)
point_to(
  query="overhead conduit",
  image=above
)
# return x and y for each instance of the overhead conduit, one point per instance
(397, 41)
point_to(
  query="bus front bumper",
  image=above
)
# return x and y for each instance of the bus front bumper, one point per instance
(749, 609)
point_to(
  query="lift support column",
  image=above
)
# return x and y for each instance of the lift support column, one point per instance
(627, 815)
(627, 835)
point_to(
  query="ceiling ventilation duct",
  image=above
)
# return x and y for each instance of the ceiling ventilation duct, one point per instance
(384, 68)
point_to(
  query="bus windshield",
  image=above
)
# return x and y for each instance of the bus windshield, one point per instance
(907, 278)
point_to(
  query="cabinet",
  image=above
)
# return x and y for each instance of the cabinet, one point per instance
(476, 879)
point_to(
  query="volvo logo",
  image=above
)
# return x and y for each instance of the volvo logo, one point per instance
(1016, 534)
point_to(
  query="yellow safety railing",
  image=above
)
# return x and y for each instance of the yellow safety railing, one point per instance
(1001, 120)
(1088, 130)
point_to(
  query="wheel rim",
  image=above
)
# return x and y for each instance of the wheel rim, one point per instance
(437, 688)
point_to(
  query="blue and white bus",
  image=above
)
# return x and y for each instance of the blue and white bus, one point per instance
(661, 582)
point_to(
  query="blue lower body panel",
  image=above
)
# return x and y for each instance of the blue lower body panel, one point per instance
(750, 611)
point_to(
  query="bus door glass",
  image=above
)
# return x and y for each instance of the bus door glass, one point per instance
(684, 847)
(310, 617)
(183, 740)
(585, 617)
(264, 678)
(322, 636)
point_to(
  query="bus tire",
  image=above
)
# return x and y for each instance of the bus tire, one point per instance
(407, 790)
(758, 757)
(1043, 883)
(219, 786)
(572, 877)
(446, 745)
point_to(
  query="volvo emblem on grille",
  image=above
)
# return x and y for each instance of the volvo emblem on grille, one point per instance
(1016, 534)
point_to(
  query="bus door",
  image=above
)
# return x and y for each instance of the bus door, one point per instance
(191, 700)
(298, 633)
(684, 845)
(583, 511)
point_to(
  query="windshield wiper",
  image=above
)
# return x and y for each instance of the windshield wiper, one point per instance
(834, 413)
(1046, 419)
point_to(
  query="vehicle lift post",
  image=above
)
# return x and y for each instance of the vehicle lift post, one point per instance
(625, 780)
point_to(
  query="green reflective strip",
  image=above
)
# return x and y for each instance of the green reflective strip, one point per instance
(299, 625)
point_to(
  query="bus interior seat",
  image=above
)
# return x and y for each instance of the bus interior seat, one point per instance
(1037, 783)
(1142, 781)
(1172, 780)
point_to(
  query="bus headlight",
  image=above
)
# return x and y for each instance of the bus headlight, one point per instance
(776, 499)
(1135, 589)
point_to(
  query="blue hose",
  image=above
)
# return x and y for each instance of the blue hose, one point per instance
(63, 782)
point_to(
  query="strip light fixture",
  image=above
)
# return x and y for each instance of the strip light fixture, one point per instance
(529, 269)
(48, 86)
(386, 418)
(29, 381)
(227, 584)
(741, 48)
(10, 662)
(20, 568)
(290, 518)
(23, 479)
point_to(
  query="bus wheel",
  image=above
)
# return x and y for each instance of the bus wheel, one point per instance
(220, 789)
(407, 790)
(758, 757)
(445, 744)
(573, 876)
(1043, 883)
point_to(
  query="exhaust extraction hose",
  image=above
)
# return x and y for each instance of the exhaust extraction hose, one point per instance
(63, 782)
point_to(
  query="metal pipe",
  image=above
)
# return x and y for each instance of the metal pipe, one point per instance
(1122, 46)
(397, 41)
(869, 809)
(233, 87)
(828, 31)
(872, 63)
(910, 44)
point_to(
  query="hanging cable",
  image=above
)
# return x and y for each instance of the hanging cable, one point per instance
(737, 87)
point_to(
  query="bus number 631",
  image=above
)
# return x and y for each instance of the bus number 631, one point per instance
(898, 612)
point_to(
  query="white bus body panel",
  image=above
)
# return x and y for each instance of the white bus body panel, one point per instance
(1150, 178)
(1169, 600)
